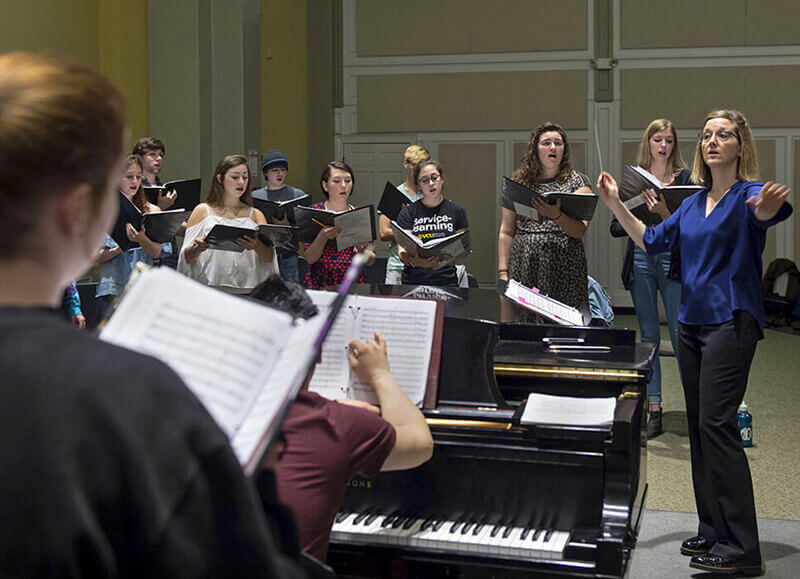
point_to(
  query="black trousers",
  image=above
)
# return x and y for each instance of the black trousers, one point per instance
(714, 363)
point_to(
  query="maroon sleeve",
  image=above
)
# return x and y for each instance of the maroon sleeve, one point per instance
(370, 439)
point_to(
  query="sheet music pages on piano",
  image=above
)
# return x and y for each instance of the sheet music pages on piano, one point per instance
(407, 325)
(244, 361)
(544, 305)
(544, 409)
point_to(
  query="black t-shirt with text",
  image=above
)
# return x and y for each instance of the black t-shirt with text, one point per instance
(431, 223)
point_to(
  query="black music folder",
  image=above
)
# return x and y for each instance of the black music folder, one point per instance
(224, 237)
(392, 202)
(577, 205)
(162, 226)
(188, 192)
(358, 225)
(277, 235)
(128, 213)
(278, 209)
(635, 180)
(447, 249)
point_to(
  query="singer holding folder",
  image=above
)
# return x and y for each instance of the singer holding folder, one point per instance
(721, 232)
(546, 254)
(111, 467)
(229, 202)
(645, 275)
(326, 265)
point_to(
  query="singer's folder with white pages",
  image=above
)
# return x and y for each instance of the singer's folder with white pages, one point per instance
(544, 305)
(243, 360)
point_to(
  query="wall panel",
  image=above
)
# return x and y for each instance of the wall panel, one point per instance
(470, 101)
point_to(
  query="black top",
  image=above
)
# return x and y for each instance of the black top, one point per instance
(431, 223)
(683, 177)
(112, 468)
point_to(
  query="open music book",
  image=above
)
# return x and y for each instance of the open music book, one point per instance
(392, 201)
(412, 329)
(224, 237)
(128, 213)
(277, 235)
(358, 225)
(245, 361)
(544, 409)
(576, 205)
(278, 209)
(188, 191)
(636, 179)
(544, 305)
(162, 226)
(447, 248)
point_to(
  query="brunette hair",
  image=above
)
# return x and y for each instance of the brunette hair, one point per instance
(146, 144)
(746, 166)
(645, 157)
(61, 124)
(529, 173)
(326, 174)
(139, 198)
(422, 164)
(217, 189)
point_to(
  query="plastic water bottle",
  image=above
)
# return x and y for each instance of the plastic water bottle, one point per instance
(745, 420)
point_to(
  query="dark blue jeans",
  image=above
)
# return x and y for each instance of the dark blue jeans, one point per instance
(288, 266)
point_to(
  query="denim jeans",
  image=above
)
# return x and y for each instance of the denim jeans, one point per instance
(650, 276)
(288, 267)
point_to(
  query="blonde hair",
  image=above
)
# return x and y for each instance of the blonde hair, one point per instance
(61, 124)
(746, 165)
(416, 154)
(645, 157)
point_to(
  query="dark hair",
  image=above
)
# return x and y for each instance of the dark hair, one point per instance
(61, 124)
(217, 189)
(529, 173)
(146, 144)
(139, 198)
(422, 164)
(285, 295)
(326, 174)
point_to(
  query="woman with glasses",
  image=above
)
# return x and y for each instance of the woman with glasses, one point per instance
(430, 217)
(327, 266)
(547, 253)
(645, 275)
(721, 232)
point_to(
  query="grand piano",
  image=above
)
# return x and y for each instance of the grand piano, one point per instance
(498, 498)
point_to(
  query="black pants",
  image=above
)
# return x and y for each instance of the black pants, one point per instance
(714, 363)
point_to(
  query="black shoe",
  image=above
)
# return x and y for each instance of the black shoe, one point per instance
(696, 545)
(654, 427)
(723, 565)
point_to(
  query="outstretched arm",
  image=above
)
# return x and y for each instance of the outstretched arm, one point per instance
(413, 442)
(609, 193)
(768, 201)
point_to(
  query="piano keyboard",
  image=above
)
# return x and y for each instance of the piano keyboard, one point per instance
(399, 530)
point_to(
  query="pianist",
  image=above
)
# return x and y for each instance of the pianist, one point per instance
(328, 442)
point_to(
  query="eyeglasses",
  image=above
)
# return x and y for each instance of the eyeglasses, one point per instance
(722, 136)
(432, 179)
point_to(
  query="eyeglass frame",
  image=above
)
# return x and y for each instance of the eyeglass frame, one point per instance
(430, 179)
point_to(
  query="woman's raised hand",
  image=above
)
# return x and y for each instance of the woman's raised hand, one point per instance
(607, 187)
(769, 200)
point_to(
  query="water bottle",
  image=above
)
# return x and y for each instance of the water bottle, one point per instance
(745, 420)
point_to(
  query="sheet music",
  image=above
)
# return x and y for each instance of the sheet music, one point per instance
(526, 211)
(356, 228)
(544, 409)
(406, 325)
(223, 347)
(544, 305)
(634, 202)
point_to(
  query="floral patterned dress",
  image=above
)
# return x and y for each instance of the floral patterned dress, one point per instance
(331, 266)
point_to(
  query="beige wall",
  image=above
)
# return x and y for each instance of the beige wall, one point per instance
(471, 101)
(110, 35)
(708, 23)
(421, 27)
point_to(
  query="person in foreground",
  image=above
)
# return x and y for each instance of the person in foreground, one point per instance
(111, 467)
(721, 232)
(328, 442)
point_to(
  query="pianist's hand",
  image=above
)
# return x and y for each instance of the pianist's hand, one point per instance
(368, 359)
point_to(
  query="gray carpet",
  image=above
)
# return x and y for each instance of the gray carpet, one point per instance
(657, 553)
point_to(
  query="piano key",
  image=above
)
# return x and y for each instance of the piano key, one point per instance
(507, 532)
(340, 517)
(437, 525)
(454, 526)
(559, 544)
(361, 516)
(371, 518)
(524, 533)
(466, 528)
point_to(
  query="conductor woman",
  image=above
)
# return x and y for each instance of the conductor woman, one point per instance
(721, 232)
